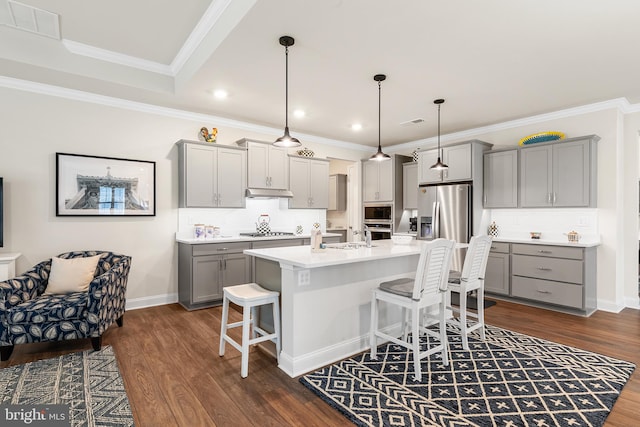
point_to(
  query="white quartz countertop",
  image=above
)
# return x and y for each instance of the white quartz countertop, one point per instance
(585, 242)
(238, 238)
(301, 256)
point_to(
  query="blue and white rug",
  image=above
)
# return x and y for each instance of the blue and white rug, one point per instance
(89, 382)
(510, 380)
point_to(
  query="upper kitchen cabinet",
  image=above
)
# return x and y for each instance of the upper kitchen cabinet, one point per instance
(338, 192)
(211, 175)
(309, 183)
(377, 181)
(268, 166)
(410, 185)
(500, 179)
(462, 159)
(559, 174)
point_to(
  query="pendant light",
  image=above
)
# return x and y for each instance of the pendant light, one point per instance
(286, 140)
(379, 156)
(439, 166)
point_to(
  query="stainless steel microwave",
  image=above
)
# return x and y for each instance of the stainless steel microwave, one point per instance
(378, 213)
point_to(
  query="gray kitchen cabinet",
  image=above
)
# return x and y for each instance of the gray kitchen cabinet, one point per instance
(204, 269)
(496, 278)
(211, 176)
(377, 181)
(309, 183)
(337, 192)
(461, 159)
(267, 165)
(559, 174)
(500, 179)
(410, 185)
(558, 275)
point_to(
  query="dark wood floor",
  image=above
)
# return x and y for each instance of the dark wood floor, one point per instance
(173, 374)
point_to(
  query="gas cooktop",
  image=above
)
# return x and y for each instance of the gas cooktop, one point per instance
(270, 234)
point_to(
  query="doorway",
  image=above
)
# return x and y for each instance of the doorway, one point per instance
(345, 220)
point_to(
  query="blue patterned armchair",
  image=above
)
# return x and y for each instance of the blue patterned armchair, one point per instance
(29, 315)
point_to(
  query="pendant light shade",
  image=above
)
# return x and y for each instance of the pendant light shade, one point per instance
(379, 156)
(439, 166)
(286, 140)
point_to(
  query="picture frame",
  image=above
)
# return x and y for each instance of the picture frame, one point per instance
(104, 186)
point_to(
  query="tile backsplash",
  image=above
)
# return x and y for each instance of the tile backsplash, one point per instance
(552, 223)
(233, 221)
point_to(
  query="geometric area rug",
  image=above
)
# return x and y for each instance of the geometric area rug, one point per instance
(510, 379)
(88, 383)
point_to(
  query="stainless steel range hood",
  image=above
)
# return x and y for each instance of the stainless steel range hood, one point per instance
(268, 193)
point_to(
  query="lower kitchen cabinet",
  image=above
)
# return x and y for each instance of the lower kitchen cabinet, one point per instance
(204, 269)
(496, 277)
(551, 276)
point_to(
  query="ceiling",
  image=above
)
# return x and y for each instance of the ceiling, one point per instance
(492, 61)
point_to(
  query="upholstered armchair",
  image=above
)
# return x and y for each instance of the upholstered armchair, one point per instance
(29, 313)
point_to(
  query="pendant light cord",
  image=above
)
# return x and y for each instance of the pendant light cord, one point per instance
(286, 87)
(379, 114)
(439, 153)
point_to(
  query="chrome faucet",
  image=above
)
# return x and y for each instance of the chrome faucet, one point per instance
(367, 236)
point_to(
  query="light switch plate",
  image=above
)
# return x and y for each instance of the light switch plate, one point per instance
(304, 277)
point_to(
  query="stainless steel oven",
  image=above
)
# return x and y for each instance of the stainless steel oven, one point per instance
(380, 230)
(379, 218)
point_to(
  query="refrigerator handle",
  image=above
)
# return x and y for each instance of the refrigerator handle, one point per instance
(436, 220)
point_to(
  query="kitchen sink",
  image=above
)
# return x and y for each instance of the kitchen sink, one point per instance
(348, 245)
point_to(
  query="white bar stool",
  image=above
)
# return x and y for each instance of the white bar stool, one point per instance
(249, 296)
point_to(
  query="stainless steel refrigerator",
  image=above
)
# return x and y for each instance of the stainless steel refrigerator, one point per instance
(444, 211)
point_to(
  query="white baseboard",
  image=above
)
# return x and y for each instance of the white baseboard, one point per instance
(610, 306)
(152, 301)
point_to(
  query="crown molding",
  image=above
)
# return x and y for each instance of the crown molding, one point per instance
(77, 95)
(116, 58)
(620, 104)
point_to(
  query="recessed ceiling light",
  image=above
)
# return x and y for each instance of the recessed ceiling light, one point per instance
(356, 127)
(299, 113)
(220, 94)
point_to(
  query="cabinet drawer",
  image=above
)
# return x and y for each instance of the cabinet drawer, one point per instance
(500, 247)
(548, 250)
(562, 270)
(219, 248)
(276, 243)
(566, 294)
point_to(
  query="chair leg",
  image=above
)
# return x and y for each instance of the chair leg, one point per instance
(246, 325)
(481, 311)
(463, 319)
(120, 321)
(443, 332)
(276, 327)
(223, 325)
(5, 352)
(415, 337)
(373, 328)
(96, 342)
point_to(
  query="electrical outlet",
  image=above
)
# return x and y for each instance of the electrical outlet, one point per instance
(304, 277)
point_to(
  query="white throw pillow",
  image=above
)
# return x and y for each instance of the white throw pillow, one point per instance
(71, 275)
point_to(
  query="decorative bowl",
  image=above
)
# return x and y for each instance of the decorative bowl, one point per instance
(401, 240)
(541, 137)
(305, 152)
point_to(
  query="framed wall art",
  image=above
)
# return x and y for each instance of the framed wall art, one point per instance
(104, 186)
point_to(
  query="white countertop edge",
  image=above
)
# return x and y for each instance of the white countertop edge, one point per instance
(582, 243)
(236, 238)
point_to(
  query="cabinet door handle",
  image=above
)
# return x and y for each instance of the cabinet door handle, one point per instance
(542, 292)
(493, 248)
(542, 251)
(222, 249)
(544, 268)
(224, 264)
(311, 201)
(485, 199)
(554, 198)
(219, 199)
(215, 198)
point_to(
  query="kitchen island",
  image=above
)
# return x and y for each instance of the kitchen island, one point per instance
(325, 297)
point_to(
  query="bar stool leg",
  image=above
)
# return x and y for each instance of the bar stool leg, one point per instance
(276, 327)
(246, 325)
(223, 327)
